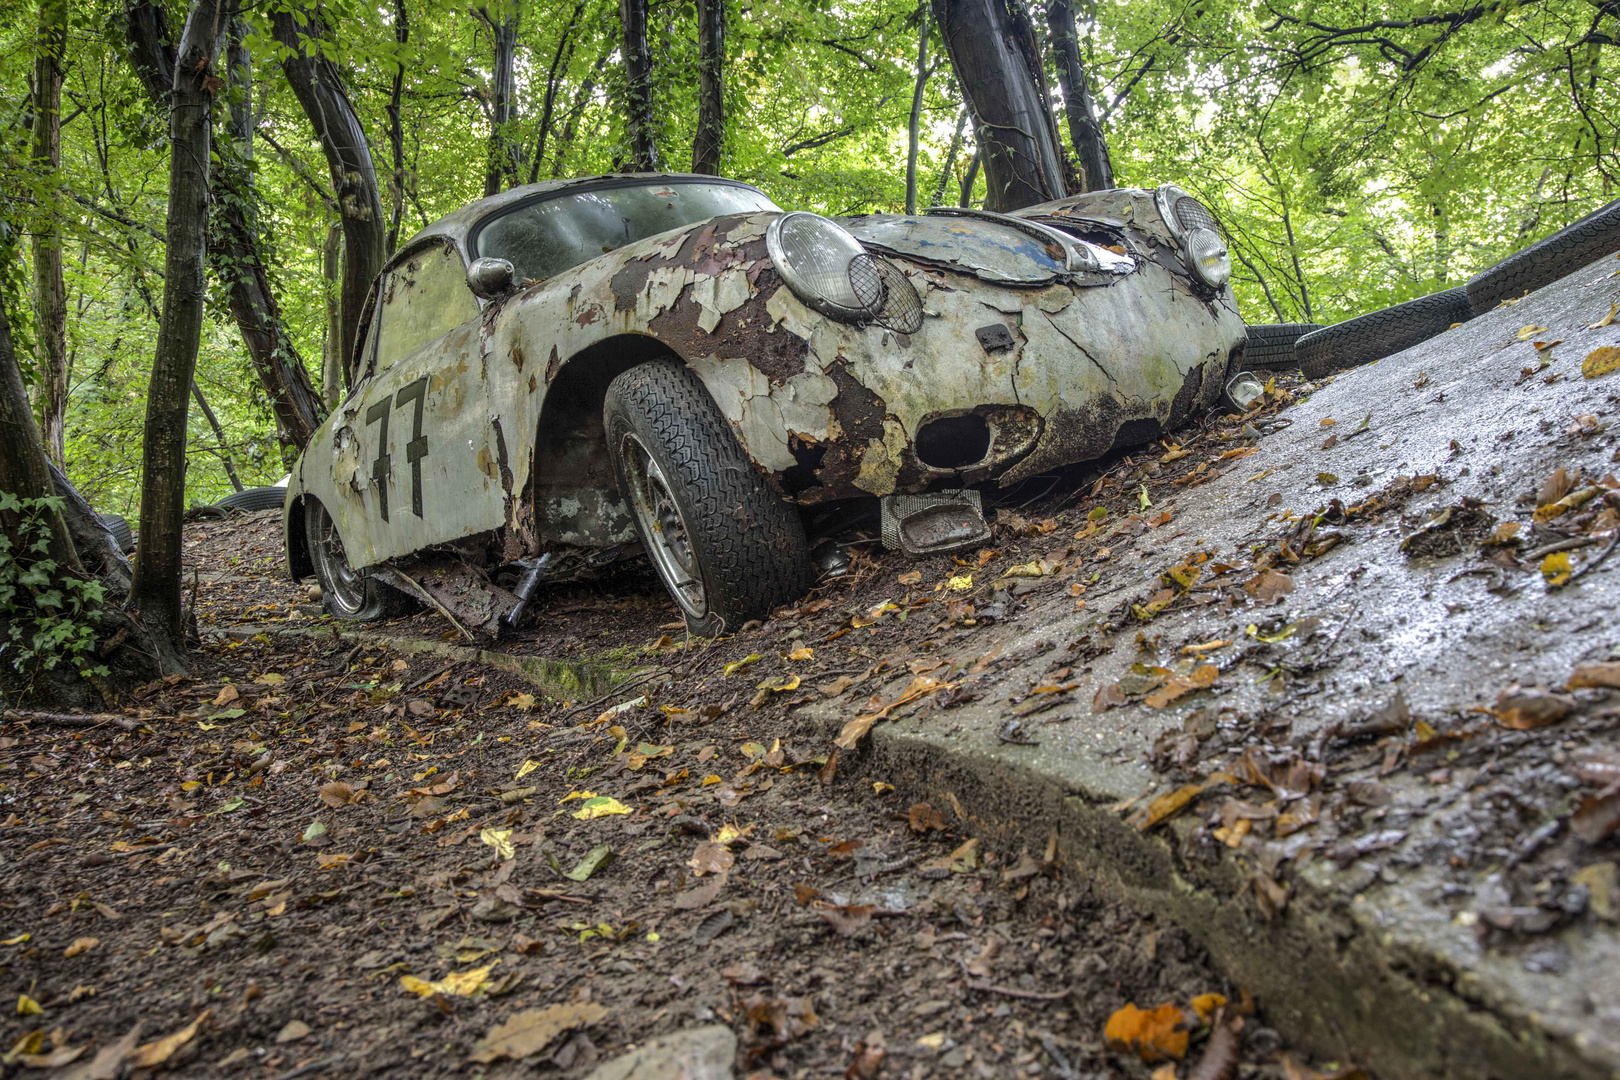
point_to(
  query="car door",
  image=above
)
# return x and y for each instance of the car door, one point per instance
(414, 441)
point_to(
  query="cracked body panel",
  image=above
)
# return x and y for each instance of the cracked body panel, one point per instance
(826, 409)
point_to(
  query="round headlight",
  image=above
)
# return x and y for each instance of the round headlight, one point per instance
(1207, 256)
(812, 255)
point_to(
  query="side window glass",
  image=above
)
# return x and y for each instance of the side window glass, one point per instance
(423, 298)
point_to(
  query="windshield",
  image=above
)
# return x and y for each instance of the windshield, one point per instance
(550, 235)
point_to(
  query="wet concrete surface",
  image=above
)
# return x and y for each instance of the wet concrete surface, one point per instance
(1438, 917)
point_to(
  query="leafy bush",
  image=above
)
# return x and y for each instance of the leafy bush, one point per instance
(47, 617)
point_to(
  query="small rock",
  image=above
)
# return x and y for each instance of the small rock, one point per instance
(705, 1053)
(295, 1030)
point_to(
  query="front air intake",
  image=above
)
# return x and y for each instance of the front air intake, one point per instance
(954, 442)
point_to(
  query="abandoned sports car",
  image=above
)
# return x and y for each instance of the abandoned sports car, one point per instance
(565, 373)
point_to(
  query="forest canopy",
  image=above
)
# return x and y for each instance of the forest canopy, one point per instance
(1357, 155)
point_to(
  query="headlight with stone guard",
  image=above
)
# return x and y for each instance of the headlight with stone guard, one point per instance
(1202, 247)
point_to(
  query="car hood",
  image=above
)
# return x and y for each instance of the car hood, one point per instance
(986, 249)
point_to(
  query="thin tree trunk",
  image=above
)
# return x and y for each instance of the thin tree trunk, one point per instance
(1276, 180)
(235, 257)
(332, 278)
(945, 174)
(638, 82)
(997, 60)
(219, 433)
(396, 131)
(581, 99)
(711, 124)
(913, 134)
(50, 291)
(24, 469)
(319, 89)
(971, 178)
(1096, 170)
(156, 590)
(502, 170)
(559, 66)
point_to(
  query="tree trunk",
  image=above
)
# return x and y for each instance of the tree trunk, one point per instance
(638, 81)
(559, 66)
(921, 83)
(332, 279)
(219, 434)
(582, 98)
(396, 133)
(235, 256)
(319, 89)
(971, 178)
(1096, 171)
(993, 49)
(24, 469)
(502, 170)
(50, 292)
(156, 590)
(949, 170)
(711, 124)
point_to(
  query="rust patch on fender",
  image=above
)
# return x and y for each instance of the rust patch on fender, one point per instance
(860, 414)
(551, 367)
(744, 333)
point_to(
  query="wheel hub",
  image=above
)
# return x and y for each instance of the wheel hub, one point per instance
(669, 539)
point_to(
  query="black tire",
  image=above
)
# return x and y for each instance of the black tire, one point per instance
(718, 518)
(346, 593)
(254, 498)
(1545, 261)
(1380, 333)
(1271, 345)
(122, 536)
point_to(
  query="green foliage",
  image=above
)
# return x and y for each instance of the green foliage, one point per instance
(47, 617)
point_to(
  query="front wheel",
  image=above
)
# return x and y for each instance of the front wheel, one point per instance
(346, 592)
(726, 545)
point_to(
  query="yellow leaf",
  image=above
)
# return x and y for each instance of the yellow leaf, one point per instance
(880, 786)
(601, 806)
(155, 1053)
(1206, 1004)
(1527, 331)
(270, 678)
(1556, 569)
(1601, 362)
(526, 768)
(80, 945)
(455, 984)
(501, 841)
(18, 940)
(710, 780)
(1029, 569)
(737, 665)
(802, 654)
(27, 1006)
(1152, 1035)
(961, 582)
(1614, 309)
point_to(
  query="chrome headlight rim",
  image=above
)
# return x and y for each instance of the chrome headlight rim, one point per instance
(1165, 199)
(1217, 276)
(807, 293)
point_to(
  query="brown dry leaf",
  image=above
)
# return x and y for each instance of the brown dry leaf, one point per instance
(337, 794)
(782, 1018)
(1588, 676)
(109, 1060)
(804, 893)
(1556, 486)
(910, 577)
(847, 918)
(1153, 1036)
(1201, 678)
(227, 694)
(923, 817)
(1172, 803)
(1597, 816)
(1268, 585)
(1602, 361)
(156, 1053)
(855, 730)
(532, 1030)
(701, 896)
(1522, 710)
(711, 858)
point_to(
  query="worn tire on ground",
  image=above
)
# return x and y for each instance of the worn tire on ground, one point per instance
(254, 498)
(1272, 344)
(1380, 333)
(1545, 261)
(121, 533)
(748, 543)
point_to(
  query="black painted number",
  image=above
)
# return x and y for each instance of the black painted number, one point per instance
(415, 450)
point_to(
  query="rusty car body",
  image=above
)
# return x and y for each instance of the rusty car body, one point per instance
(978, 349)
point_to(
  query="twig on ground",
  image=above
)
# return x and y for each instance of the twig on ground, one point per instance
(621, 688)
(70, 719)
(1593, 564)
(311, 1067)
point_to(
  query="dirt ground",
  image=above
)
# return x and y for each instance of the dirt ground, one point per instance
(317, 856)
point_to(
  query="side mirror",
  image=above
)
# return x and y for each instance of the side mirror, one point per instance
(491, 279)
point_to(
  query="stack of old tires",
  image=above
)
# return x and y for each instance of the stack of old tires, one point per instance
(1319, 351)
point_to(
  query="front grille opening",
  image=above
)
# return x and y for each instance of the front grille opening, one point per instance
(954, 442)
(1192, 214)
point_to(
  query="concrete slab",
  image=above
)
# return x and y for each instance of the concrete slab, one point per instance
(1436, 918)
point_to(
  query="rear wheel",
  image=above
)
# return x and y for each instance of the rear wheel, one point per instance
(726, 546)
(346, 592)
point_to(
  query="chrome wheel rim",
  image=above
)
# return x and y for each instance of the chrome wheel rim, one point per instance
(347, 586)
(669, 541)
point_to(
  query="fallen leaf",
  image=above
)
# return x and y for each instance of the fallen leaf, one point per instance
(526, 768)
(910, 577)
(292, 1031)
(1268, 585)
(532, 1030)
(161, 1050)
(337, 794)
(226, 695)
(1202, 678)
(27, 1006)
(594, 860)
(701, 896)
(1587, 676)
(1597, 816)
(923, 817)
(846, 919)
(803, 653)
(1601, 361)
(737, 665)
(1153, 1035)
(600, 806)
(1529, 331)
(80, 945)
(455, 984)
(711, 858)
(500, 840)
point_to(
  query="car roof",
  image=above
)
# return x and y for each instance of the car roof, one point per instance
(458, 225)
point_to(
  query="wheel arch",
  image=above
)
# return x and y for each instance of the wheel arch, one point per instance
(295, 534)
